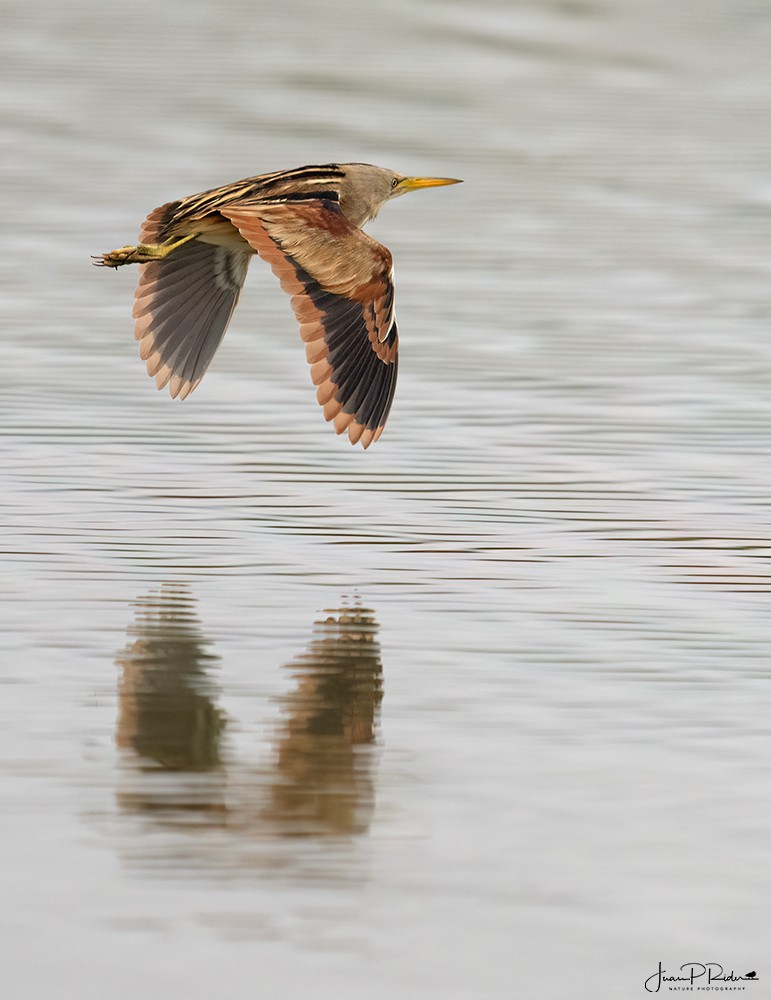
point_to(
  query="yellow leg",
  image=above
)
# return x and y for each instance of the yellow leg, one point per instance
(141, 254)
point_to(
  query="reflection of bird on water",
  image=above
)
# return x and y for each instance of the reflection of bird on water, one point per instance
(306, 224)
(323, 781)
(320, 778)
(168, 717)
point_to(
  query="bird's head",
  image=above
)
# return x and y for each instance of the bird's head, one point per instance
(365, 189)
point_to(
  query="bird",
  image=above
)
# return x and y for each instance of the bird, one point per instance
(306, 224)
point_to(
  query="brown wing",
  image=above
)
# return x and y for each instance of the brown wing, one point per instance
(341, 283)
(183, 305)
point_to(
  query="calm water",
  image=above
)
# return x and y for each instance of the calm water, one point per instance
(481, 712)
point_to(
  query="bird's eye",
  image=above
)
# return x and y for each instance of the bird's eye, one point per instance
(394, 182)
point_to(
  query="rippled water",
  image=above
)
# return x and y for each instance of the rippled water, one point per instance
(483, 711)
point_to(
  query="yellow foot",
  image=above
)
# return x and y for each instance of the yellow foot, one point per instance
(128, 255)
(141, 254)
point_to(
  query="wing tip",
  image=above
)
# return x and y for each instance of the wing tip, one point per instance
(365, 436)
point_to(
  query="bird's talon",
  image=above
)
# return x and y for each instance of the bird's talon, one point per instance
(116, 258)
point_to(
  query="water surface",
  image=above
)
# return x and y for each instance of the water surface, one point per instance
(483, 711)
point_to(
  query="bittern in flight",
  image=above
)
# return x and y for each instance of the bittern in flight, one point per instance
(306, 224)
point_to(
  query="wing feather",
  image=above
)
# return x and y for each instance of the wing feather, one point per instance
(341, 283)
(182, 307)
(377, 402)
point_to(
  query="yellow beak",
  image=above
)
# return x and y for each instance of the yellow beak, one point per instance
(413, 183)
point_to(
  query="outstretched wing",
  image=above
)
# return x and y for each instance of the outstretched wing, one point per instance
(341, 283)
(182, 307)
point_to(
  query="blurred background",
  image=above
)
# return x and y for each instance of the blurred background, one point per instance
(484, 711)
